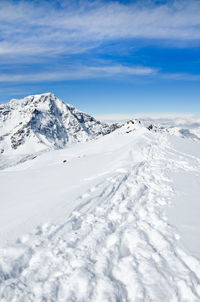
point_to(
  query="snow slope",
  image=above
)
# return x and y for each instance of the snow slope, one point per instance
(108, 237)
(185, 208)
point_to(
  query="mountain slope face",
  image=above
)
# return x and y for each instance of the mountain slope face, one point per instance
(41, 122)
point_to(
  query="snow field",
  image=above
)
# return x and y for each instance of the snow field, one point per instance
(116, 245)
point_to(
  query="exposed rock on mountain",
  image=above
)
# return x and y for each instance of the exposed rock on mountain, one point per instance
(42, 122)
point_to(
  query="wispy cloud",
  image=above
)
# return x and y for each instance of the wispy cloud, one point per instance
(27, 28)
(181, 76)
(79, 72)
(61, 40)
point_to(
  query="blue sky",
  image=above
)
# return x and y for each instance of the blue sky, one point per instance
(103, 56)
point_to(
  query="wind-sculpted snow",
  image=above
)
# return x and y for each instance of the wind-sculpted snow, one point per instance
(117, 244)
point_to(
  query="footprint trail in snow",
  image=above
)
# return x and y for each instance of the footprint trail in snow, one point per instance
(116, 246)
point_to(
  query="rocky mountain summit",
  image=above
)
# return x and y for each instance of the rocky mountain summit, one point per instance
(40, 122)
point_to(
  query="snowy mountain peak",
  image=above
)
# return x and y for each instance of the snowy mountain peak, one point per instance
(37, 100)
(130, 126)
(43, 121)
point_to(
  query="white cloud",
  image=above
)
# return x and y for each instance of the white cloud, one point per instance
(181, 76)
(79, 72)
(76, 72)
(30, 29)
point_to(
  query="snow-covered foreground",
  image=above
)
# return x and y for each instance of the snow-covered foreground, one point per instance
(114, 241)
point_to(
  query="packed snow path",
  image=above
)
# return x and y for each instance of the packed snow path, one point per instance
(117, 245)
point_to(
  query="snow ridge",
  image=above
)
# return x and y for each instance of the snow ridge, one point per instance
(116, 246)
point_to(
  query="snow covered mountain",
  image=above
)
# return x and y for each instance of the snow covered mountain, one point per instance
(181, 125)
(113, 219)
(184, 132)
(41, 122)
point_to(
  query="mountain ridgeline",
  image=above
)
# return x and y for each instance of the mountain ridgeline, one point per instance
(42, 122)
